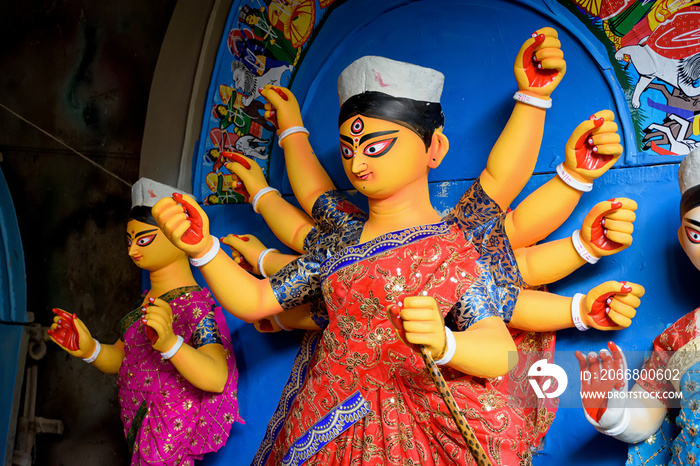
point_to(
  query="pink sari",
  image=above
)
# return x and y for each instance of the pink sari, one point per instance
(167, 420)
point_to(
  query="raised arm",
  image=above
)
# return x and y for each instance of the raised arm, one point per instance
(593, 143)
(308, 178)
(606, 230)
(609, 306)
(186, 225)
(71, 334)
(247, 249)
(288, 223)
(538, 69)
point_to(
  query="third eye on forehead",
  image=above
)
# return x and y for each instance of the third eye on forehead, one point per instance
(367, 137)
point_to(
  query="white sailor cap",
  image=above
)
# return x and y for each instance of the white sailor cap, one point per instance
(395, 78)
(689, 170)
(146, 192)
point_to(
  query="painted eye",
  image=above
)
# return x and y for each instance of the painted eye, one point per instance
(346, 151)
(377, 149)
(693, 235)
(357, 126)
(128, 242)
(145, 240)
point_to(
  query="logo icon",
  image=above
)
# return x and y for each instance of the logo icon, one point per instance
(553, 373)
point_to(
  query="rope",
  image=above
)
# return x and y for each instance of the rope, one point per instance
(67, 146)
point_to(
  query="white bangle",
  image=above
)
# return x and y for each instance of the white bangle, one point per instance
(98, 348)
(451, 348)
(261, 257)
(620, 428)
(581, 249)
(576, 312)
(176, 347)
(259, 194)
(280, 324)
(534, 101)
(209, 256)
(571, 181)
(288, 131)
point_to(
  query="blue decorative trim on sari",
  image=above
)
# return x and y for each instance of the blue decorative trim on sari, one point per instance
(291, 389)
(337, 421)
(338, 223)
(379, 245)
(481, 219)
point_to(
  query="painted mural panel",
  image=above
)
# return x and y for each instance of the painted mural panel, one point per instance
(654, 48)
(264, 43)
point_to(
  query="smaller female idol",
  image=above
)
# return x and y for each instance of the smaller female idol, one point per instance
(175, 366)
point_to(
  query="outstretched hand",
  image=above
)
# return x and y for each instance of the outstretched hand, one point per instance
(281, 108)
(71, 334)
(540, 65)
(593, 147)
(184, 223)
(611, 305)
(601, 373)
(608, 227)
(245, 250)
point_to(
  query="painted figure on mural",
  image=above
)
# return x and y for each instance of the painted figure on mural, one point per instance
(669, 377)
(367, 386)
(175, 366)
(657, 46)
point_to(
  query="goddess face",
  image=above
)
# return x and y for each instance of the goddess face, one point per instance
(689, 235)
(381, 158)
(148, 247)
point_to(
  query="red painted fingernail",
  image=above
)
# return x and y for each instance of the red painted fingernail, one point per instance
(616, 205)
(590, 141)
(281, 93)
(151, 300)
(598, 122)
(245, 239)
(595, 149)
(395, 310)
(607, 310)
(534, 34)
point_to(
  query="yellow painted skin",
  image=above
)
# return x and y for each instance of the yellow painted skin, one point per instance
(536, 217)
(397, 200)
(168, 267)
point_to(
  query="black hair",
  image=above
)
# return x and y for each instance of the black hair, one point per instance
(421, 117)
(142, 213)
(690, 200)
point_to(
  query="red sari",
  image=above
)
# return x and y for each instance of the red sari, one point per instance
(367, 398)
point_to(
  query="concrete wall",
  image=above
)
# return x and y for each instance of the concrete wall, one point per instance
(81, 71)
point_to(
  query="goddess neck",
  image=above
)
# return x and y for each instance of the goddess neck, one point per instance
(174, 275)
